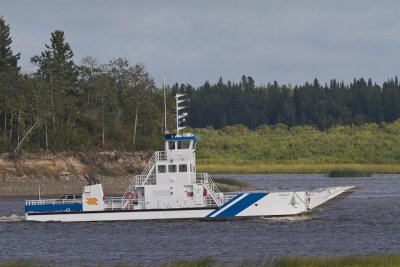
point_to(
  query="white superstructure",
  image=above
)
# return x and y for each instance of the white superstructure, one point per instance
(170, 188)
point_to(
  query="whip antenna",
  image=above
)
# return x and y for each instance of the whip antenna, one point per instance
(165, 108)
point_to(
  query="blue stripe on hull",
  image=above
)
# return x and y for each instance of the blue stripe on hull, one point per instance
(224, 205)
(241, 205)
(54, 207)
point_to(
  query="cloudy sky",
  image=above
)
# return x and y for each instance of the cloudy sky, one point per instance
(194, 41)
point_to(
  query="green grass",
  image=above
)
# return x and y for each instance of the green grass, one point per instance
(344, 261)
(299, 168)
(369, 148)
(347, 261)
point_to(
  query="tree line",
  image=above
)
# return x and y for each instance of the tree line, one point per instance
(116, 105)
(69, 106)
(321, 106)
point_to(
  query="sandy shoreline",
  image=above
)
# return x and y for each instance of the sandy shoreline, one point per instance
(63, 173)
(25, 186)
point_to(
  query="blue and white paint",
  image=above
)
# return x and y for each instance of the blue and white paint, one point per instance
(236, 205)
(170, 188)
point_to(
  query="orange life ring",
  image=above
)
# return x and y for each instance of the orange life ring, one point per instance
(129, 195)
(205, 192)
(190, 194)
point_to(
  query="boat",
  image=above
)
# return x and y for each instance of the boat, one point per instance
(170, 188)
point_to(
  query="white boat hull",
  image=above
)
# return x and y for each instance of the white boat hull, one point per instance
(170, 188)
(260, 204)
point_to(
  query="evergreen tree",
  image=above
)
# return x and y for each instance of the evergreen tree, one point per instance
(56, 65)
(9, 80)
(8, 60)
(250, 83)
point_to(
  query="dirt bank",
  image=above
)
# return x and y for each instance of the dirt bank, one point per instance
(61, 173)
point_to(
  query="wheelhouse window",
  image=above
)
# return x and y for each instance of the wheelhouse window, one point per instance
(194, 144)
(171, 145)
(171, 168)
(183, 168)
(183, 144)
(162, 168)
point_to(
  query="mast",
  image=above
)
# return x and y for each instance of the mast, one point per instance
(165, 109)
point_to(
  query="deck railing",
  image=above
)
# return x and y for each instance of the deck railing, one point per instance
(120, 203)
(217, 196)
(51, 201)
(161, 155)
(148, 173)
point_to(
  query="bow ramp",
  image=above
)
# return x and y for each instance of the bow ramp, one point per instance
(320, 198)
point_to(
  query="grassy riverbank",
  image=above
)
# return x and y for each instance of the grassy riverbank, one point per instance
(290, 168)
(345, 261)
(368, 148)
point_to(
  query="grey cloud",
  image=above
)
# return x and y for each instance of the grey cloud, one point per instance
(194, 41)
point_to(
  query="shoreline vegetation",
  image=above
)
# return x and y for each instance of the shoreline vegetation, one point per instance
(361, 170)
(116, 106)
(368, 149)
(339, 261)
(272, 128)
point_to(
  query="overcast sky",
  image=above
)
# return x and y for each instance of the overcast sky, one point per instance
(194, 41)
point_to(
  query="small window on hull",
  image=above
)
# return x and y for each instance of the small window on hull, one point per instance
(162, 168)
(183, 168)
(183, 144)
(171, 168)
(171, 145)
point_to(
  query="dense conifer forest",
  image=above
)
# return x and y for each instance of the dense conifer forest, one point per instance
(70, 106)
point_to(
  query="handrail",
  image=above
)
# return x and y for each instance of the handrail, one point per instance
(161, 155)
(149, 165)
(211, 187)
(51, 201)
(120, 203)
(138, 180)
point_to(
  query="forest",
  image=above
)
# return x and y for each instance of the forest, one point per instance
(69, 106)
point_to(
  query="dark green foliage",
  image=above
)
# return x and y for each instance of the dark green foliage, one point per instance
(68, 107)
(347, 173)
(229, 181)
(106, 172)
(202, 262)
(313, 104)
(110, 106)
(8, 60)
(132, 170)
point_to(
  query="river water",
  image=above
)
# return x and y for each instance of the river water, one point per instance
(366, 222)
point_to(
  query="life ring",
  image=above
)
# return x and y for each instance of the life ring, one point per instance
(129, 195)
(205, 193)
(67, 209)
(190, 194)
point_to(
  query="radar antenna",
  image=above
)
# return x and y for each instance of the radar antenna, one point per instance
(180, 116)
